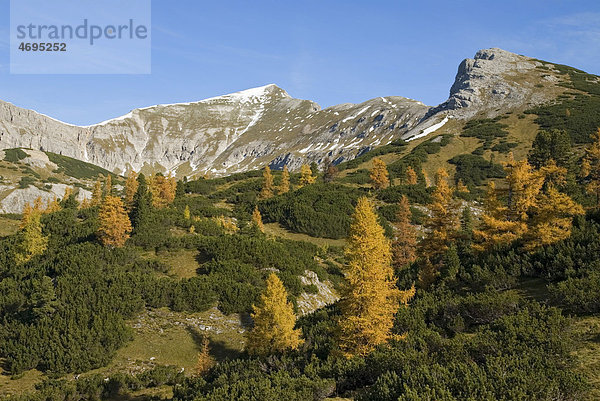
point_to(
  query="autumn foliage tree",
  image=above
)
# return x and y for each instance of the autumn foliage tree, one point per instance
(115, 225)
(97, 193)
(405, 243)
(32, 242)
(204, 361)
(442, 223)
(131, 186)
(306, 176)
(284, 185)
(267, 189)
(379, 175)
(330, 172)
(369, 296)
(257, 220)
(274, 321)
(536, 212)
(411, 176)
(163, 190)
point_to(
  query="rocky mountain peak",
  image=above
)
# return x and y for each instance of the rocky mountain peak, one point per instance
(492, 81)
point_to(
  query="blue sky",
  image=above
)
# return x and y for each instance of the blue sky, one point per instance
(328, 51)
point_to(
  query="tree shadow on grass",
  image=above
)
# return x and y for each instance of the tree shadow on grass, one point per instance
(218, 349)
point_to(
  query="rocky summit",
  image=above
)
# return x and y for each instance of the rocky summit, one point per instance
(265, 125)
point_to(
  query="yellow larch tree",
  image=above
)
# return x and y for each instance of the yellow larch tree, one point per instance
(443, 222)
(257, 219)
(405, 243)
(204, 361)
(537, 212)
(274, 321)
(379, 175)
(284, 185)
(267, 189)
(495, 228)
(131, 187)
(306, 177)
(52, 205)
(32, 242)
(163, 190)
(411, 176)
(115, 225)
(97, 193)
(108, 186)
(552, 218)
(370, 298)
(461, 187)
(186, 213)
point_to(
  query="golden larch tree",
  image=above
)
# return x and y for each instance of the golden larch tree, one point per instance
(204, 361)
(131, 187)
(97, 193)
(495, 228)
(379, 175)
(32, 242)
(284, 185)
(306, 177)
(370, 298)
(274, 321)
(163, 190)
(461, 187)
(411, 176)
(115, 225)
(108, 186)
(52, 205)
(267, 189)
(257, 220)
(405, 244)
(186, 213)
(552, 218)
(443, 221)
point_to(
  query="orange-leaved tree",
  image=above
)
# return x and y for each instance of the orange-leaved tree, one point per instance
(405, 244)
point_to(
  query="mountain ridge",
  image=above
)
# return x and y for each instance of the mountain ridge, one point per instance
(265, 125)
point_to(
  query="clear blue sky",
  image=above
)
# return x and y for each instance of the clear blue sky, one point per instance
(329, 51)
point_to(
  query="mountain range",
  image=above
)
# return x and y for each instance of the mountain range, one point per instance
(265, 125)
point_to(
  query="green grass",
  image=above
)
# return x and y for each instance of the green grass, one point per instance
(277, 230)
(173, 338)
(587, 356)
(182, 263)
(25, 382)
(8, 226)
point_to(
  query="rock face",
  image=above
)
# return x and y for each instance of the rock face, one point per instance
(493, 81)
(220, 135)
(260, 126)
